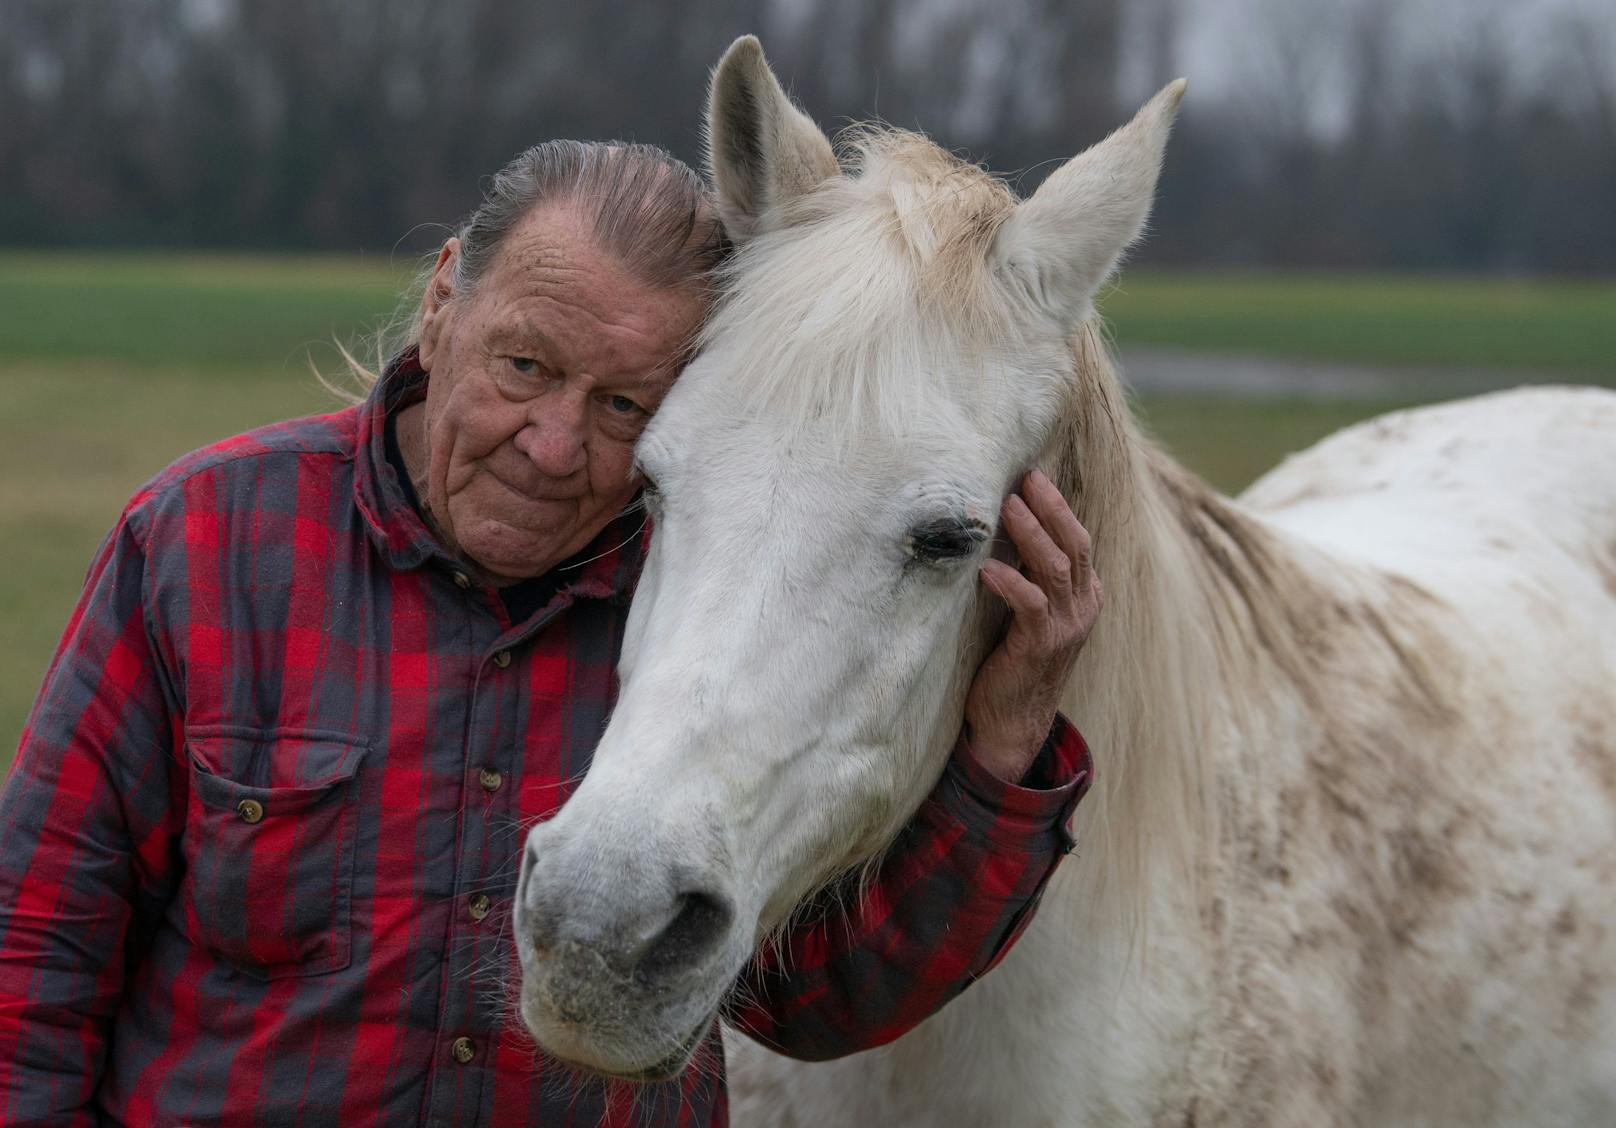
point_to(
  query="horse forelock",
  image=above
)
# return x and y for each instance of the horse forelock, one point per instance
(946, 211)
(873, 288)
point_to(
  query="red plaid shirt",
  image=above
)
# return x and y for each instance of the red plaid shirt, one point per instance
(260, 837)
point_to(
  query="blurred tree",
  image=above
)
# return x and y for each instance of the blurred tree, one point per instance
(1351, 140)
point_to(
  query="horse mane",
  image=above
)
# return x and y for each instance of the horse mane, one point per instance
(1141, 691)
(1201, 614)
(1211, 611)
(859, 278)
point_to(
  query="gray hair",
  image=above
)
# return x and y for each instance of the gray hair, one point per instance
(643, 205)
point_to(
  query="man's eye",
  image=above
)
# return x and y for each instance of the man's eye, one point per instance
(623, 405)
(525, 365)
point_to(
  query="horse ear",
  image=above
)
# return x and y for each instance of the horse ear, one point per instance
(1066, 240)
(762, 151)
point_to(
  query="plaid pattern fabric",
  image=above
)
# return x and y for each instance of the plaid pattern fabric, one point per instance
(260, 835)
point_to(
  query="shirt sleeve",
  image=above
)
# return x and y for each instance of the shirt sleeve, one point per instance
(952, 894)
(84, 808)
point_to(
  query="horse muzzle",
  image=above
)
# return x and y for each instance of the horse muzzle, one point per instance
(626, 955)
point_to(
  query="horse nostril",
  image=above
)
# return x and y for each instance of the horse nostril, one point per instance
(700, 921)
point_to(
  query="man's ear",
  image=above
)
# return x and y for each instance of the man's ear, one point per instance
(1064, 242)
(435, 300)
(762, 152)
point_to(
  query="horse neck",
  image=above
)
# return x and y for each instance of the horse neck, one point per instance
(1194, 623)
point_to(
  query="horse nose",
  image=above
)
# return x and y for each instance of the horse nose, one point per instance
(638, 926)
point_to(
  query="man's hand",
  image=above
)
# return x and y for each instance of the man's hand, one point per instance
(1054, 601)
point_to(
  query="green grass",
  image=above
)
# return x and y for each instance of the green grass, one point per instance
(1563, 326)
(153, 311)
(111, 366)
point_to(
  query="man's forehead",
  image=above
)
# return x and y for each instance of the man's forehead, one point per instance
(552, 239)
(553, 286)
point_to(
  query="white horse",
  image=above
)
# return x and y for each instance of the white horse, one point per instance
(1351, 858)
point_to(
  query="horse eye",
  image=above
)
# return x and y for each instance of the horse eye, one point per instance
(948, 538)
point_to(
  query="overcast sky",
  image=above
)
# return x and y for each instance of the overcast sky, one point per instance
(1223, 43)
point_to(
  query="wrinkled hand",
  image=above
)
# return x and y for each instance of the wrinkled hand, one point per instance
(1054, 601)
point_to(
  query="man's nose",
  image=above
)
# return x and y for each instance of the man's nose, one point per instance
(554, 438)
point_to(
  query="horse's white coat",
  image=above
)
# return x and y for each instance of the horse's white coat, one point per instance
(1401, 903)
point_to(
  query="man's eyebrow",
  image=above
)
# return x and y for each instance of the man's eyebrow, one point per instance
(523, 336)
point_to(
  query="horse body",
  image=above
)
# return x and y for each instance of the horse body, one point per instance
(1403, 914)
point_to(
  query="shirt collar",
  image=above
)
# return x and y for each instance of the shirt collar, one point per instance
(607, 568)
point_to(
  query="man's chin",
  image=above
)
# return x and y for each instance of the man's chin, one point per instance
(507, 551)
(506, 554)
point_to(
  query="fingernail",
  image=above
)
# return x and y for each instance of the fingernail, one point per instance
(1016, 505)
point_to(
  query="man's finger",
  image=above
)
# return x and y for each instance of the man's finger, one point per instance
(1029, 605)
(1046, 563)
(1061, 524)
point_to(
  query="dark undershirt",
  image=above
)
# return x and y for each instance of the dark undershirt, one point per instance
(523, 598)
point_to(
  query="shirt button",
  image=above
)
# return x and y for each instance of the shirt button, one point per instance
(462, 581)
(478, 906)
(502, 659)
(250, 810)
(490, 779)
(463, 1049)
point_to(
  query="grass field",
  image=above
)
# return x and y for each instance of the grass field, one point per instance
(113, 365)
(1561, 327)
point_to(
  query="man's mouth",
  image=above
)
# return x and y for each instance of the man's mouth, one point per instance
(535, 497)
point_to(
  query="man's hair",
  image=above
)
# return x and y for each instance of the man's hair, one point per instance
(644, 206)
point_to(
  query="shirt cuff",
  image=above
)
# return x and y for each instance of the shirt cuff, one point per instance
(1021, 814)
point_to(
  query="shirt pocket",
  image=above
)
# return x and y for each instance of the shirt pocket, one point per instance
(269, 848)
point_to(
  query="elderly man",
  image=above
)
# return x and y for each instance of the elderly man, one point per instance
(262, 830)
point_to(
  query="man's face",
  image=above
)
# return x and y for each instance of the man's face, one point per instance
(541, 380)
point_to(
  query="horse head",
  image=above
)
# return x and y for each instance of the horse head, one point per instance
(891, 349)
